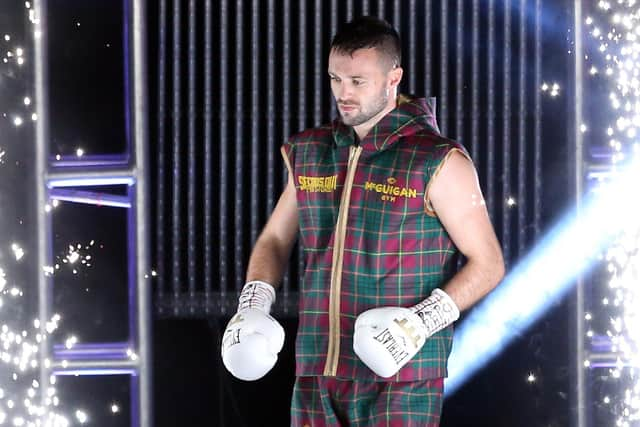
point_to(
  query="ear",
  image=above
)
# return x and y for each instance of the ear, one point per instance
(394, 76)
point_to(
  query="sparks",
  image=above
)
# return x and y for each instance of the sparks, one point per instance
(618, 314)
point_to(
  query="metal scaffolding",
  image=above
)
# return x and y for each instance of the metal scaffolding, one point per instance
(591, 352)
(576, 323)
(65, 180)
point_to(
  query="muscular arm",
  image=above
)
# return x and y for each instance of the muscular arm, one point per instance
(457, 200)
(271, 251)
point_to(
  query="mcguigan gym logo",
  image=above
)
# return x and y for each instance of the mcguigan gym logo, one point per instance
(389, 191)
(318, 184)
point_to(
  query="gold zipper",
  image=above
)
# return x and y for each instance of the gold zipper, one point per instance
(331, 364)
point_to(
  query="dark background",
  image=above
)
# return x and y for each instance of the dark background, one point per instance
(87, 92)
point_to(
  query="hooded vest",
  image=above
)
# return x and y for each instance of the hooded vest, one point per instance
(369, 236)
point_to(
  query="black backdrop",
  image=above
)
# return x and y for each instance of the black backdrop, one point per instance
(231, 80)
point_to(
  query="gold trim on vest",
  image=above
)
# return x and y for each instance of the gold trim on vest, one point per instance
(333, 352)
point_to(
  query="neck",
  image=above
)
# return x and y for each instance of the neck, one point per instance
(363, 129)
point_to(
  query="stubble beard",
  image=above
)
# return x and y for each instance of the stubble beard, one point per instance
(367, 113)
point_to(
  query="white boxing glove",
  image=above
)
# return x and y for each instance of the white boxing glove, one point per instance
(252, 339)
(386, 338)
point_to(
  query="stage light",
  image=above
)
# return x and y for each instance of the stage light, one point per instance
(543, 276)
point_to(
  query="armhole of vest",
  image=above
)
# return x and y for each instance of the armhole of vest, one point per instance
(428, 209)
(287, 161)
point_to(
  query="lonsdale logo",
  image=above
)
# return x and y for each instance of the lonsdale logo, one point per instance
(390, 191)
(318, 184)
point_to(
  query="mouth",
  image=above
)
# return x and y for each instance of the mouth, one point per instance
(346, 107)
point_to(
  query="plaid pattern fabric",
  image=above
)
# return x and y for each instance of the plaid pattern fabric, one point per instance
(329, 401)
(395, 253)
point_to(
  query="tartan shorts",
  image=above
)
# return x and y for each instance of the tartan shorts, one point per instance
(328, 401)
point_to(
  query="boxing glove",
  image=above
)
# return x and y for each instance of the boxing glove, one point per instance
(386, 338)
(252, 339)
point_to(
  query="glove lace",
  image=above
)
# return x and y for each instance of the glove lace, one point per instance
(256, 295)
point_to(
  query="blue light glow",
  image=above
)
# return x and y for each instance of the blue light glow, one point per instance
(544, 275)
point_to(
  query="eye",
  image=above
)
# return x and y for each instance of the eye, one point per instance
(334, 79)
(358, 82)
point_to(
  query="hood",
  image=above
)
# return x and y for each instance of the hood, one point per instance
(410, 116)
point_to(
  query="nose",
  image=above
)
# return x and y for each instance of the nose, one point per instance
(343, 91)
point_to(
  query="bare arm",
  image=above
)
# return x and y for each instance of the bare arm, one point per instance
(456, 198)
(271, 251)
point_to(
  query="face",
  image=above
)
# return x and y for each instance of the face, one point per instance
(363, 85)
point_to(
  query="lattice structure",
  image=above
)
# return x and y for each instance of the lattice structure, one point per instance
(82, 181)
(605, 320)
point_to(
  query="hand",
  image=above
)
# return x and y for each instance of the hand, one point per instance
(252, 339)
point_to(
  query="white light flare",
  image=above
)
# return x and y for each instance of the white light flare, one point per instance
(544, 275)
(621, 293)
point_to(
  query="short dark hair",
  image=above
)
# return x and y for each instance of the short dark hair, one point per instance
(368, 32)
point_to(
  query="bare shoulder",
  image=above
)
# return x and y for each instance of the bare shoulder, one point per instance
(455, 181)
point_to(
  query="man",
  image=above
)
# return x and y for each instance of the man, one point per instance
(382, 203)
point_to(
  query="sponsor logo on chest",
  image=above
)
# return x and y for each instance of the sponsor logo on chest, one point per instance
(318, 184)
(389, 191)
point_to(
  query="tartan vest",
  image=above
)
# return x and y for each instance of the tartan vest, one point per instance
(369, 237)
